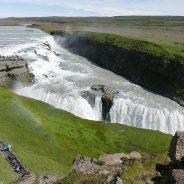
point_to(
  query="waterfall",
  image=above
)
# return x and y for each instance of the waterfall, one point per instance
(61, 77)
(72, 102)
(127, 112)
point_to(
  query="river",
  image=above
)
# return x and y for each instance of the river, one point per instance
(61, 77)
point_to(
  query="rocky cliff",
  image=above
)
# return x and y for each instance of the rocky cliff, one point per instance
(106, 94)
(14, 68)
(144, 63)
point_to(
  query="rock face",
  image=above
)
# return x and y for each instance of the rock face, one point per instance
(177, 147)
(107, 96)
(176, 154)
(107, 103)
(175, 170)
(14, 68)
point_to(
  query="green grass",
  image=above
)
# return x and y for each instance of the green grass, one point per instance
(136, 44)
(47, 139)
(6, 175)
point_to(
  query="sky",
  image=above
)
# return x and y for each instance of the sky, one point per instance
(34, 8)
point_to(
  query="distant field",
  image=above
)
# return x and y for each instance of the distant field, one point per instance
(158, 29)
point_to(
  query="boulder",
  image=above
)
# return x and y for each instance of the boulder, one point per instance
(85, 165)
(114, 159)
(177, 176)
(176, 151)
(105, 89)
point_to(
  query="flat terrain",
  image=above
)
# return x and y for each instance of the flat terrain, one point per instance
(164, 29)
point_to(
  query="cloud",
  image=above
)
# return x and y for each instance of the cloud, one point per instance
(90, 7)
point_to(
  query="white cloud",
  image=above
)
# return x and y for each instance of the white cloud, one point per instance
(109, 7)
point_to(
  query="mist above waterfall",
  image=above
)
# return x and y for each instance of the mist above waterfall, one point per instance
(61, 77)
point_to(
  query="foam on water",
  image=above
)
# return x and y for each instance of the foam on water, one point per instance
(61, 77)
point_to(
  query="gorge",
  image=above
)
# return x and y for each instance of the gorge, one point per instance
(61, 79)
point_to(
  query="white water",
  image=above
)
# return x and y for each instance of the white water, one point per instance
(61, 78)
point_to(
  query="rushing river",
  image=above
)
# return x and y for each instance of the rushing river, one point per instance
(61, 76)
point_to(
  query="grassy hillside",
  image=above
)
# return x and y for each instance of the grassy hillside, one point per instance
(47, 139)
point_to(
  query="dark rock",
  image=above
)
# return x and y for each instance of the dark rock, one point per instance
(107, 97)
(97, 87)
(107, 103)
(105, 89)
(176, 151)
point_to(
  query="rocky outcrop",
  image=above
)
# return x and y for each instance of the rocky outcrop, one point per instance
(176, 154)
(160, 73)
(177, 147)
(85, 165)
(110, 166)
(175, 170)
(33, 179)
(14, 68)
(107, 96)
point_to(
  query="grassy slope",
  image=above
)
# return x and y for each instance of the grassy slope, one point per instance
(47, 139)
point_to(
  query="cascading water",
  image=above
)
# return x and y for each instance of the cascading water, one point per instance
(61, 77)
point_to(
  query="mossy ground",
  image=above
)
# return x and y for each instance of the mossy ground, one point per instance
(46, 139)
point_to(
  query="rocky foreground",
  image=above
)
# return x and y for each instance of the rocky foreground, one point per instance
(110, 167)
(14, 68)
